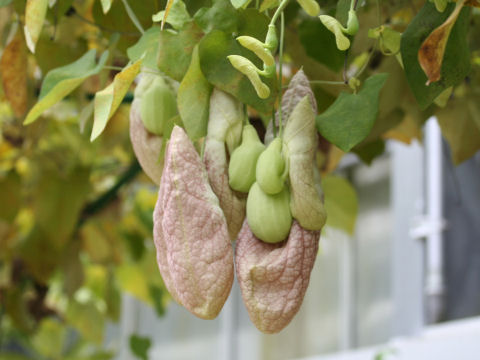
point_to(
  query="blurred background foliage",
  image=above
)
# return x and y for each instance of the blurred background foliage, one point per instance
(76, 216)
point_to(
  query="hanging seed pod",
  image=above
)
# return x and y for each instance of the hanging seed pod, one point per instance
(300, 143)
(298, 88)
(223, 136)
(352, 23)
(269, 216)
(243, 162)
(273, 278)
(146, 146)
(271, 169)
(194, 253)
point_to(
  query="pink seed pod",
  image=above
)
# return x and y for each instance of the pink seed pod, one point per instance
(273, 278)
(194, 252)
(146, 146)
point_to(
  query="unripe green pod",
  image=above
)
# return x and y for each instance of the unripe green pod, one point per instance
(311, 7)
(271, 169)
(158, 105)
(243, 162)
(352, 23)
(269, 216)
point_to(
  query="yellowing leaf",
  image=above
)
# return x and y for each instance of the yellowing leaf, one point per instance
(167, 10)
(341, 203)
(430, 55)
(13, 66)
(405, 132)
(61, 81)
(132, 280)
(49, 338)
(35, 13)
(458, 122)
(109, 99)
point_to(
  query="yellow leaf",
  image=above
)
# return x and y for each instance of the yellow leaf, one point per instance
(109, 99)
(405, 132)
(430, 55)
(35, 12)
(13, 66)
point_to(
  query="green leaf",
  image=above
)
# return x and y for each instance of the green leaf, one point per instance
(213, 50)
(87, 319)
(237, 4)
(35, 13)
(369, 151)
(147, 46)
(5, 2)
(109, 99)
(313, 32)
(341, 203)
(351, 117)
(221, 16)
(175, 50)
(10, 196)
(139, 346)
(178, 15)
(456, 61)
(193, 99)
(49, 338)
(266, 4)
(60, 82)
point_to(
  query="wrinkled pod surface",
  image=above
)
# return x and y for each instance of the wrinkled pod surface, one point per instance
(273, 278)
(194, 252)
(146, 146)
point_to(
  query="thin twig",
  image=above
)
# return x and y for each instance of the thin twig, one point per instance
(133, 17)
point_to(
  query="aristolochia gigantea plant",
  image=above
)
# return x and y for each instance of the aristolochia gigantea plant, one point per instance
(238, 111)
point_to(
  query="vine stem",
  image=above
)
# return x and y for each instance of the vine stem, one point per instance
(133, 17)
(327, 82)
(279, 11)
(280, 67)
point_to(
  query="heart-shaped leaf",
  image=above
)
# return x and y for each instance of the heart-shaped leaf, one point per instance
(351, 117)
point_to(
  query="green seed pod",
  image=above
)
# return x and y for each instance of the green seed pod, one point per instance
(269, 216)
(271, 40)
(258, 48)
(311, 7)
(243, 162)
(158, 105)
(247, 68)
(352, 23)
(271, 169)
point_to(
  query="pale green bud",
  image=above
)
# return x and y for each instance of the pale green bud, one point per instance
(352, 23)
(258, 48)
(157, 106)
(271, 40)
(247, 68)
(311, 7)
(334, 26)
(243, 162)
(271, 168)
(269, 216)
